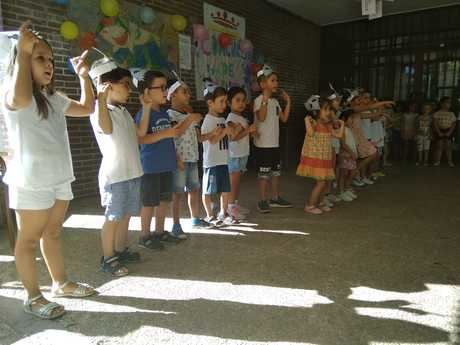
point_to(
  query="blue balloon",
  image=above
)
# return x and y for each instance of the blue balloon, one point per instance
(62, 2)
(70, 66)
(147, 15)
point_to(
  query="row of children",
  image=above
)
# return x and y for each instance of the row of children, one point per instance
(425, 132)
(159, 170)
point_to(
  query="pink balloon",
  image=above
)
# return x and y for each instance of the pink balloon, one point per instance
(200, 33)
(255, 86)
(246, 46)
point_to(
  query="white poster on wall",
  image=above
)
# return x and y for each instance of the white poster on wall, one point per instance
(185, 52)
(368, 7)
(220, 20)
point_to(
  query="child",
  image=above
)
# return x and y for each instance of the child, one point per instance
(239, 146)
(444, 126)
(267, 115)
(40, 169)
(347, 159)
(316, 158)
(120, 172)
(423, 125)
(408, 130)
(378, 140)
(186, 177)
(214, 135)
(158, 157)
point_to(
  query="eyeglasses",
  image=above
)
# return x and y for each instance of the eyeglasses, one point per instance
(162, 88)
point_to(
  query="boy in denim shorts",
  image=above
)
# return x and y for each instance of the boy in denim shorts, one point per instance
(185, 178)
(120, 172)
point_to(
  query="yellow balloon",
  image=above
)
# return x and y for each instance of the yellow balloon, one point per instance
(179, 23)
(69, 30)
(110, 8)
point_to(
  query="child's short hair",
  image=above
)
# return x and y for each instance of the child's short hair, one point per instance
(114, 75)
(233, 91)
(218, 91)
(147, 79)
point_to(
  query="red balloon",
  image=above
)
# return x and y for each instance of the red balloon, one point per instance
(225, 40)
(88, 40)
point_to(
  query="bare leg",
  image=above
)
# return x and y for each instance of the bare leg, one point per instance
(207, 201)
(448, 146)
(176, 199)
(263, 186)
(121, 235)
(275, 187)
(438, 151)
(315, 194)
(193, 204)
(146, 221)
(160, 214)
(224, 202)
(235, 183)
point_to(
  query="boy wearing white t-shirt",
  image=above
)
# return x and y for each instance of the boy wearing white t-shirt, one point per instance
(121, 170)
(268, 114)
(214, 135)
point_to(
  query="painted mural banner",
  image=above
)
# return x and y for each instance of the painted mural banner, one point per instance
(217, 52)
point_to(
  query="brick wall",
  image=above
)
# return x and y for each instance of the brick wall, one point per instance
(289, 43)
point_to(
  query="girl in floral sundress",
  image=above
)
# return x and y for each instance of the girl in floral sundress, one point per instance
(316, 158)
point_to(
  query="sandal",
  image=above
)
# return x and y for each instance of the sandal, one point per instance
(126, 256)
(113, 266)
(166, 237)
(81, 290)
(313, 210)
(48, 311)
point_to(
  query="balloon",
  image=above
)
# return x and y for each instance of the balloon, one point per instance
(70, 66)
(147, 15)
(69, 30)
(255, 87)
(246, 46)
(178, 22)
(62, 2)
(225, 40)
(200, 33)
(110, 8)
(87, 41)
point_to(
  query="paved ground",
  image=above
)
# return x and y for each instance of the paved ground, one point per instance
(381, 270)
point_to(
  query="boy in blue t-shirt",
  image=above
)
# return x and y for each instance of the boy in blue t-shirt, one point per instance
(158, 157)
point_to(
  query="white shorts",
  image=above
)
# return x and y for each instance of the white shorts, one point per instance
(25, 199)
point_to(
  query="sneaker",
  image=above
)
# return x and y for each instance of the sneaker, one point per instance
(346, 197)
(436, 164)
(227, 219)
(127, 256)
(328, 203)
(178, 232)
(263, 206)
(213, 221)
(312, 210)
(234, 211)
(417, 164)
(150, 242)
(426, 164)
(358, 183)
(325, 208)
(451, 164)
(380, 174)
(332, 198)
(367, 181)
(198, 223)
(280, 202)
(352, 194)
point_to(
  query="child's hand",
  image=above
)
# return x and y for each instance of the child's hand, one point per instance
(172, 132)
(145, 100)
(27, 39)
(103, 91)
(308, 119)
(180, 164)
(284, 96)
(252, 128)
(79, 65)
(196, 117)
(229, 130)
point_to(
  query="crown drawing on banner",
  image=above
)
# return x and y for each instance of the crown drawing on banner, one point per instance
(222, 18)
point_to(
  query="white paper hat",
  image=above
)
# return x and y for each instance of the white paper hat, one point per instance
(265, 71)
(312, 104)
(209, 86)
(174, 87)
(138, 75)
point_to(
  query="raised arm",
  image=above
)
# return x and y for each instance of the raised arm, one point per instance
(284, 116)
(85, 106)
(19, 93)
(102, 113)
